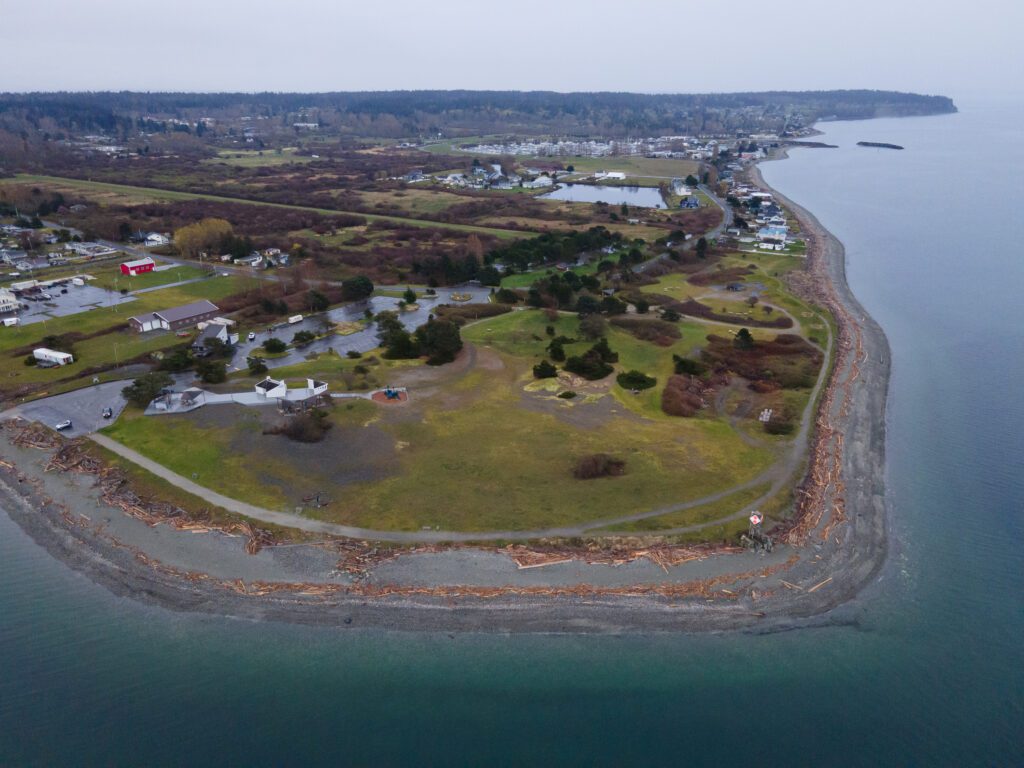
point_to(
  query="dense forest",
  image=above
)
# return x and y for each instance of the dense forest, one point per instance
(397, 114)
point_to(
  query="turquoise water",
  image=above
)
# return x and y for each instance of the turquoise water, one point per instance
(928, 671)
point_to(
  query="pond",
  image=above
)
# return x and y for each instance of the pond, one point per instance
(641, 197)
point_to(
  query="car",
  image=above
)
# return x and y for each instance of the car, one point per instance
(60, 426)
(252, 336)
(108, 413)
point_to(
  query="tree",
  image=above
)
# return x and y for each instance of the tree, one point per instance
(274, 346)
(257, 365)
(144, 389)
(544, 370)
(642, 306)
(409, 296)
(489, 275)
(743, 339)
(356, 288)
(702, 248)
(691, 181)
(212, 371)
(440, 340)
(202, 236)
(302, 338)
(179, 359)
(317, 301)
(593, 327)
(587, 305)
(398, 343)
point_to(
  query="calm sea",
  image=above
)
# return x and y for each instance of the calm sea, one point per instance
(931, 672)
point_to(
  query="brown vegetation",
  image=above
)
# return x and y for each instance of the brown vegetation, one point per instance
(660, 332)
(787, 361)
(598, 465)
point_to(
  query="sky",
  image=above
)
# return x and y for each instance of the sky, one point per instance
(652, 46)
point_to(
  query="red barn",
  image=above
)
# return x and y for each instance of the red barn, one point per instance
(138, 266)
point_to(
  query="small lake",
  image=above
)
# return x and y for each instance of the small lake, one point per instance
(642, 197)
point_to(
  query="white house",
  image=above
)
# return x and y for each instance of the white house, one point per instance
(52, 356)
(8, 301)
(155, 238)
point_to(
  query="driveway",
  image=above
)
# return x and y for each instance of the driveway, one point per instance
(83, 406)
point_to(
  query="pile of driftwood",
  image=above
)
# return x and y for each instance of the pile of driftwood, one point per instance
(115, 490)
(664, 556)
(31, 434)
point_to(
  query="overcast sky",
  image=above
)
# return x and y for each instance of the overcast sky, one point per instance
(930, 46)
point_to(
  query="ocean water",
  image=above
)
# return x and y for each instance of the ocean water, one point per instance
(928, 671)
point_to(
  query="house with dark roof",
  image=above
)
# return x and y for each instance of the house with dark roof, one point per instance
(176, 318)
(209, 335)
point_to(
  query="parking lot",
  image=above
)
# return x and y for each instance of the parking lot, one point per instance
(84, 407)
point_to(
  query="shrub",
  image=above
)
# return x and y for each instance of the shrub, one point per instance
(590, 366)
(274, 346)
(302, 338)
(567, 394)
(679, 398)
(544, 370)
(689, 366)
(353, 354)
(598, 465)
(635, 380)
(31, 360)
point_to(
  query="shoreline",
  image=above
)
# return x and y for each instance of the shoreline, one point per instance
(836, 548)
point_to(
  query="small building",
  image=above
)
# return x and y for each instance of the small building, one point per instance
(8, 301)
(137, 267)
(176, 318)
(689, 203)
(52, 356)
(272, 389)
(155, 238)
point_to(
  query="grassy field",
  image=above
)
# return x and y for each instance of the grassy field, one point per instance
(485, 464)
(255, 158)
(124, 194)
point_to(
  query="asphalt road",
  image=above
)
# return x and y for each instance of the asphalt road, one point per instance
(83, 406)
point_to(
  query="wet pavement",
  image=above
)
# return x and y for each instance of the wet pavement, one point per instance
(361, 341)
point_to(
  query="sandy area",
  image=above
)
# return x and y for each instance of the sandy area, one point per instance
(823, 562)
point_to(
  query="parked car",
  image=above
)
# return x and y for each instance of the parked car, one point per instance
(62, 425)
(108, 413)
(252, 336)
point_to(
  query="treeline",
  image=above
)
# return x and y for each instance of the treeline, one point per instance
(411, 112)
(552, 247)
